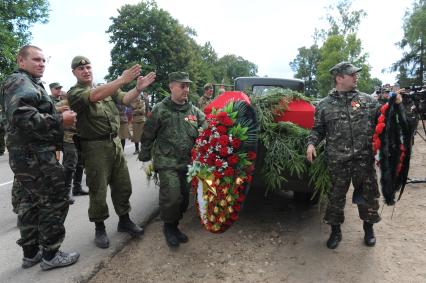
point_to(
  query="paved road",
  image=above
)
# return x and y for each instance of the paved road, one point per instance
(80, 232)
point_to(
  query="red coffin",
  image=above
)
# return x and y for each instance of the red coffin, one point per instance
(298, 112)
(224, 98)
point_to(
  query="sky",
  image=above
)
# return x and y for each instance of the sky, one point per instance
(265, 32)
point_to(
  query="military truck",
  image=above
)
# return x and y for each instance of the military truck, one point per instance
(301, 188)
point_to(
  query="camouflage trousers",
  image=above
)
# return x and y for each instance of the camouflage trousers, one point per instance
(73, 166)
(174, 195)
(16, 195)
(366, 191)
(105, 165)
(2, 135)
(43, 205)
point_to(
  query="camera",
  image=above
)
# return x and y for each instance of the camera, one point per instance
(416, 95)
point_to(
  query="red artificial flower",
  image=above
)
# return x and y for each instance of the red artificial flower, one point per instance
(376, 145)
(221, 115)
(379, 128)
(229, 172)
(241, 198)
(233, 160)
(251, 155)
(384, 108)
(237, 207)
(381, 119)
(218, 163)
(207, 111)
(223, 151)
(207, 132)
(214, 142)
(221, 130)
(223, 140)
(211, 160)
(234, 216)
(249, 178)
(217, 174)
(227, 122)
(236, 143)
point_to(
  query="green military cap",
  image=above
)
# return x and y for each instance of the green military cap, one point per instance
(344, 68)
(79, 61)
(181, 77)
(208, 86)
(386, 89)
(55, 85)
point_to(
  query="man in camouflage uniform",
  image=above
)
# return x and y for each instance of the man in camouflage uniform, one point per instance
(139, 116)
(207, 96)
(169, 133)
(35, 130)
(55, 90)
(97, 126)
(346, 120)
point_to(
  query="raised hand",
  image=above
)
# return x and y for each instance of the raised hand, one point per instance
(144, 81)
(130, 74)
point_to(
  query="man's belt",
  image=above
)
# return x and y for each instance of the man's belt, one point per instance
(108, 137)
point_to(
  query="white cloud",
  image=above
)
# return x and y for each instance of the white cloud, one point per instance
(265, 32)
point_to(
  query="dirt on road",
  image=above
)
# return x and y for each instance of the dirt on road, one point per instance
(279, 240)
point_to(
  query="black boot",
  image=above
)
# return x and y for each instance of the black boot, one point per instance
(68, 178)
(126, 225)
(78, 176)
(101, 238)
(182, 238)
(335, 237)
(169, 231)
(369, 238)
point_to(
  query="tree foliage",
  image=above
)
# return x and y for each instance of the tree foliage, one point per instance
(145, 34)
(305, 66)
(411, 66)
(339, 43)
(16, 18)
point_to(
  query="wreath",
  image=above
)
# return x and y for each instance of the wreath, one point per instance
(222, 163)
(392, 149)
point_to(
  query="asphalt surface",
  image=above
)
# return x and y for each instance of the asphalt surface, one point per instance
(79, 231)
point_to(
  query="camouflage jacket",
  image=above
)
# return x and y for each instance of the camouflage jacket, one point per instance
(170, 132)
(70, 131)
(203, 102)
(347, 122)
(33, 122)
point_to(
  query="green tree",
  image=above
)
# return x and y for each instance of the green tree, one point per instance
(412, 64)
(16, 18)
(145, 34)
(230, 67)
(305, 66)
(342, 44)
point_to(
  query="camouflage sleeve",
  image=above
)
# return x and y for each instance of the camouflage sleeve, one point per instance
(78, 99)
(21, 99)
(149, 135)
(201, 118)
(318, 132)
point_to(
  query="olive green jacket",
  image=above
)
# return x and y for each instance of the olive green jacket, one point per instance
(94, 119)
